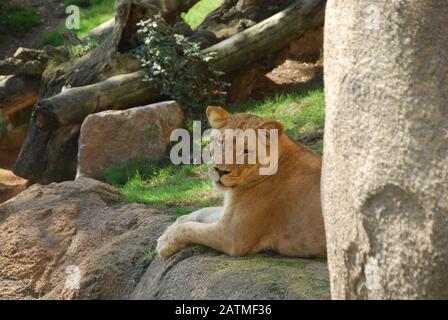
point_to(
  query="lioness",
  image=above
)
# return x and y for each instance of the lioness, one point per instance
(280, 212)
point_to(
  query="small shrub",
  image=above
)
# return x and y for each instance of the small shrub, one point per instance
(178, 67)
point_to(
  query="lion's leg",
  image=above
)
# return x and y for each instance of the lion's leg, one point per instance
(205, 215)
(217, 236)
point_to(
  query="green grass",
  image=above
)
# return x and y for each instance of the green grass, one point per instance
(16, 19)
(179, 189)
(93, 13)
(199, 12)
(99, 12)
(53, 38)
(301, 113)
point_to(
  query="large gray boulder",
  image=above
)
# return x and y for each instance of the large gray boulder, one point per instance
(197, 275)
(115, 138)
(385, 172)
(72, 241)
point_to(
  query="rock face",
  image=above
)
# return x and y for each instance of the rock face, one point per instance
(68, 241)
(114, 138)
(72, 241)
(385, 172)
(192, 275)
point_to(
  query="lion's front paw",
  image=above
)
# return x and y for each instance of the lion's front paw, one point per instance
(165, 248)
(169, 243)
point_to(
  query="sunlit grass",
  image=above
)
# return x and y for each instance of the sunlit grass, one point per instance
(199, 12)
(301, 113)
(95, 12)
(92, 15)
(180, 189)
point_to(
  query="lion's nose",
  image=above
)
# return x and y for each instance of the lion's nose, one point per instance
(221, 172)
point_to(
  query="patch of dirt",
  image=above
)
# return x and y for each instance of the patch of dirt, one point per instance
(301, 71)
(291, 76)
(47, 10)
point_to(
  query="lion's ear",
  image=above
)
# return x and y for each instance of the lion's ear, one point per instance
(217, 117)
(273, 125)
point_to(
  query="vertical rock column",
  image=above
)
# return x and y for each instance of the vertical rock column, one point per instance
(385, 174)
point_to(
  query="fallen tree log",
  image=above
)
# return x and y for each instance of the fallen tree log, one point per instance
(247, 47)
(234, 16)
(73, 105)
(108, 78)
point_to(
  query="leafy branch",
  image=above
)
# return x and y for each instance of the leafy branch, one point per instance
(178, 66)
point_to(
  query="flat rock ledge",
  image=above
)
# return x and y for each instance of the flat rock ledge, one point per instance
(197, 273)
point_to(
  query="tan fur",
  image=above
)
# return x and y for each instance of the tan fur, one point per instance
(280, 212)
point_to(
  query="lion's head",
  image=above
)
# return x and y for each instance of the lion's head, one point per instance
(245, 148)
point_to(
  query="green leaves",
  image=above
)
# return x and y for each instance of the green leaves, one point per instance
(178, 66)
